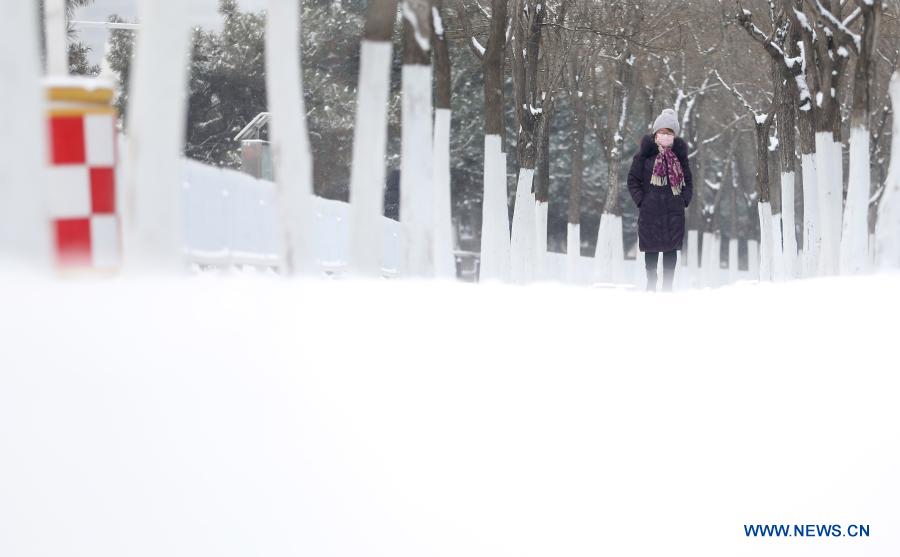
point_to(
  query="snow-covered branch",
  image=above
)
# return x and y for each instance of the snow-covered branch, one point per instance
(836, 23)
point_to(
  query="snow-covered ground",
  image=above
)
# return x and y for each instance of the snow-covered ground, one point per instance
(252, 415)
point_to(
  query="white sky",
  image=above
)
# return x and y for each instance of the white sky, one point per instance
(204, 14)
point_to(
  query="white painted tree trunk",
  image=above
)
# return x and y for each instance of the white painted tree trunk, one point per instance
(444, 260)
(151, 216)
(495, 248)
(733, 260)
(829, 189)
(290, 139)
(640, 270)
(777, 253)
(417, 172)
(609, 254)
(855, 231)
(24, 221)
(766, 254)
(753, 259)
(812, 239)
(56, 31)
(788, 226)
(872, 260)
(542, 208)
(837, 200)
(887, 228)
(573, 252)
(693, 257)
(367, 174)
(716, 266)
(523, 248)
(707, 260)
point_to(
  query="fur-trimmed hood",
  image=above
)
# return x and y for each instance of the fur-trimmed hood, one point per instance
(649, 149)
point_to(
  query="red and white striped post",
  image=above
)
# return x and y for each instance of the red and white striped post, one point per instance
(82, 162)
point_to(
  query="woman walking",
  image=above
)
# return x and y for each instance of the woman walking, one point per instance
(661, 185)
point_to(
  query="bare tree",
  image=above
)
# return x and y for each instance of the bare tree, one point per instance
(762, 126)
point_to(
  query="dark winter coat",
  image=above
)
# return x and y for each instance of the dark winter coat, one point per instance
(661, 212)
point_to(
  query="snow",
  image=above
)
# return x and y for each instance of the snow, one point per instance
(422, 38)
(437, 21)
(477, 46)
(367, 174)
(241, 228)
(838, 24)
(804, 22)
(803, 89)
(842, 51)
(416, 172)
(225, 416)
(78, 81)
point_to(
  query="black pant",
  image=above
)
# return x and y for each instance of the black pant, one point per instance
(651, 259)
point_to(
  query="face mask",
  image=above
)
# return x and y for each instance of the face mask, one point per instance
(665, 140)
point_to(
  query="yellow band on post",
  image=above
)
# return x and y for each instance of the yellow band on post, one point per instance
(99, 95)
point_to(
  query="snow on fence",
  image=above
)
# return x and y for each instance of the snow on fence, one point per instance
(231, 218)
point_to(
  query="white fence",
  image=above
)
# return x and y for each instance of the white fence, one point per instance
(231, 218)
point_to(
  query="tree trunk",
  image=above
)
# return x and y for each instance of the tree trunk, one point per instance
(417, 173)
(151, 219)
(577, 150)
(444, 260)
(855, 236)
(367, 173)
(763, 206)
(887, 229)
(523, 244)
(24, 234)
(493, 70)
(495, 240)
(573, 228)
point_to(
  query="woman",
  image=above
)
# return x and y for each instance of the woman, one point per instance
(661, 185)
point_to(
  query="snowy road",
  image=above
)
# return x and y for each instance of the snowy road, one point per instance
(254, 416)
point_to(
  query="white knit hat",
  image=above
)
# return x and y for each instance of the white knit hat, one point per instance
(668, 119)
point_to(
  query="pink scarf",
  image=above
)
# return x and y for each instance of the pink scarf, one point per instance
(667, 170)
